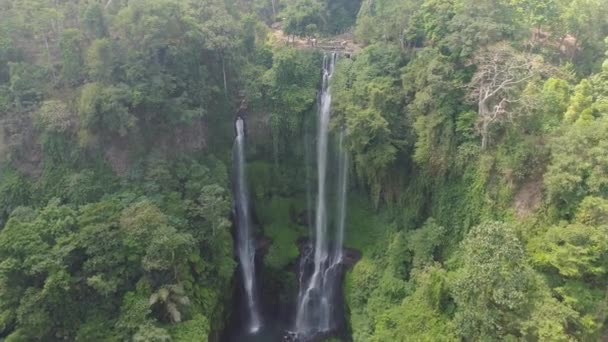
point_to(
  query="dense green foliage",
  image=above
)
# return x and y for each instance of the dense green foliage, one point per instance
(478, 128)
(478, 137)
(97, 264)
(115, 215)
(311, 17)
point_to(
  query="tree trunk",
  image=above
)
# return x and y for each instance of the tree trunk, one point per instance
(48, 55)
(402, 40)
(483, 122)
(484, 134)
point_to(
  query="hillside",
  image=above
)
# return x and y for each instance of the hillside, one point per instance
(303, 170)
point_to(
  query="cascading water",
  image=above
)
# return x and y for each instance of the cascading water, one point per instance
(318, 291)
(342, 187)
(245, 245)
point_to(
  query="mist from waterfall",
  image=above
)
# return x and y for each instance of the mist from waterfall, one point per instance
(245, 243)
(317, 298)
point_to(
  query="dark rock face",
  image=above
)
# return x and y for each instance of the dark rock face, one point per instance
(262, 245)
(351, 257)
(304, 218)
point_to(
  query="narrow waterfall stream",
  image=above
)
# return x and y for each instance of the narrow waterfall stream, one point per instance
(245, 243)
(341, 198)
(318, 293)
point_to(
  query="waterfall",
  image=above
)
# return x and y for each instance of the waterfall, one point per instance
(342, 187)
(318, 292)
(245, 244)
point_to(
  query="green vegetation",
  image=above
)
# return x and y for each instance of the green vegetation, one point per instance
(460, 116)
(114, 212)
(101, 264)
(277, 218)
(477, 132)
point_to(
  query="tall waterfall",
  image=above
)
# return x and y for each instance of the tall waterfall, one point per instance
(317, 298)
(342, 187)
(245, 245)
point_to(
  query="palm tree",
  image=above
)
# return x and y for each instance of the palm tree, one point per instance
(171, 298)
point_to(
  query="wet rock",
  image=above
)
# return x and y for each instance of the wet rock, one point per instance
(304, 218)
(262, 244)
(351, 257)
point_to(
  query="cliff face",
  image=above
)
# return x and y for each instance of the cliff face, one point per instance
(20, 144)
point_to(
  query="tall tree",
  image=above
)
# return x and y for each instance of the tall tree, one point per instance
(497, 85)
(495, 286)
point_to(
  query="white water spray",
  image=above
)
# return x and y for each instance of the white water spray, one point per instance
(245, 247)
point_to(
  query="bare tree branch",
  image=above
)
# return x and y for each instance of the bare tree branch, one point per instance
(497, 84)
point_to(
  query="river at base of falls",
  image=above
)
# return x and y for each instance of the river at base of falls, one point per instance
(276, 331)
(271, 334)
(278, 316)
(268, 333)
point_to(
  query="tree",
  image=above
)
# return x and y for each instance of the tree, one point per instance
(575, 251)
(151, 333)
(342, 15)
(220, 29)
(168, 250)
(300, 14)
(192, 330)
(169, 57)
(14, 192)
(367, 103)
(42, 20)
(555, 96)
(585, 22)
(426, 243)
(387, 21)
(171, 298)
(100, 60)
(581, 103)
(54, 116)
(434, 89)
(71, 56)
(494, 286)
(287, 90)
(497, 83)
(578, 250)
(432, 21)
(576, 255)
(84, 266)
(550, 319)
(106, 109)
(593, 211)
(578, 167)
(94, 21)
(33, 282)
(25, 84)
(481, 23)
(8, 53)
(420, 317)
(214, 206)
(543, 16)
